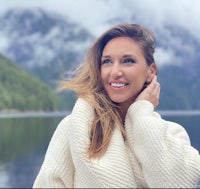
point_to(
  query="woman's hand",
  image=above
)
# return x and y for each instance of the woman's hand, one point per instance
(151, 92)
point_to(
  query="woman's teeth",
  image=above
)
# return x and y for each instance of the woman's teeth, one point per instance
(118, 85)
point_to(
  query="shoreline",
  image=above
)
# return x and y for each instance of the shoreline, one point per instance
(179, 112)
(31, 113)
(23, 114)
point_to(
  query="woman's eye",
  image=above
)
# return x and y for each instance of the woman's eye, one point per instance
(106, 61)
(128, 60)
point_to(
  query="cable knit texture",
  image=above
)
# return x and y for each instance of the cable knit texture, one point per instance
(156, 154)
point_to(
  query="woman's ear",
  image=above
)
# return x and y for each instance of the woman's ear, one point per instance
(151, 72)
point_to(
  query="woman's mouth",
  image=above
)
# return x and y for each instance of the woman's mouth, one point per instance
(118, 85)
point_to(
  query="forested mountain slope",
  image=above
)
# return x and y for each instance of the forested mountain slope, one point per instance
(19, 90)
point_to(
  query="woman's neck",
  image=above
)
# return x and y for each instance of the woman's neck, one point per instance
(122, 112)
(123, 108)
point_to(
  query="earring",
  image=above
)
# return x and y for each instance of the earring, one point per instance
(146, 84)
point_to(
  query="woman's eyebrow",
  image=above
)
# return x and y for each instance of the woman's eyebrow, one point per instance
(128, 55)
(105, 56)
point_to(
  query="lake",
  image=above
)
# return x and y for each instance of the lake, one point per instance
(24, 139)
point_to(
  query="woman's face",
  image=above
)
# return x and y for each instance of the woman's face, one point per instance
(124, 70)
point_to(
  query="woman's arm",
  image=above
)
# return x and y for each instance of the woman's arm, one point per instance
(163, 149)
(57, 170)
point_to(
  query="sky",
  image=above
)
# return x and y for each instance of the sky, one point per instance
(94, 13)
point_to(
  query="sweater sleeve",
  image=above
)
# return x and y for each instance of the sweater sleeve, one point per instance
(57, 169)
(163, 149)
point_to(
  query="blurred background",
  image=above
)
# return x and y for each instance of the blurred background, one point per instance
(40, 40)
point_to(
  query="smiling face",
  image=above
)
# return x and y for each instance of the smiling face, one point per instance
(124, 70)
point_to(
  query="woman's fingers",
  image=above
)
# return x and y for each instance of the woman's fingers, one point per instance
(151, 92)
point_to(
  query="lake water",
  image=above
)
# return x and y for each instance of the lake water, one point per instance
(24, 140)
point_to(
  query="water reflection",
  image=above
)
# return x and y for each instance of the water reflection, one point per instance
(23, 143)
(21, 172)
(192, 126)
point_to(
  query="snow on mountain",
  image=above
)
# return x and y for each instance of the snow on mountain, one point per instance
(39, 40)
(48, 44)
(44, 41)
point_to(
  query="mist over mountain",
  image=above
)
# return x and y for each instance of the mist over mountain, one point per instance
(18, 93)
(48, 44)
(43, 43)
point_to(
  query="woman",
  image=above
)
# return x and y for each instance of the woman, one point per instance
(113, 138)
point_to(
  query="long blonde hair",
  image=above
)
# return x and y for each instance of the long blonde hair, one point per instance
(87, 85)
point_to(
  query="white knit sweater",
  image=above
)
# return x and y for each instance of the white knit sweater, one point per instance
(156, 154)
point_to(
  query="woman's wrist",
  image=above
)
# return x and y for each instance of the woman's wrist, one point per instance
(141, 107)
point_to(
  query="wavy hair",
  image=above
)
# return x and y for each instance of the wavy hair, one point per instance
(87, 84)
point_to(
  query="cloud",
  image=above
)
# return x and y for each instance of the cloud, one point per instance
(164, 56)
(184, 13)
(93, 13)
(97, 16)
(4, 42)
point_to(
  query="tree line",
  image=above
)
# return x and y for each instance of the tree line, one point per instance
(20, 90)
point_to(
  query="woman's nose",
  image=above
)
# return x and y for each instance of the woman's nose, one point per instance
(116, 70)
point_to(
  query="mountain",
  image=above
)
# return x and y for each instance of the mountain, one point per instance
(180, 86)
(179, 78)
(21, 91)
(43, 43)
(48, 45)
(177, 56)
